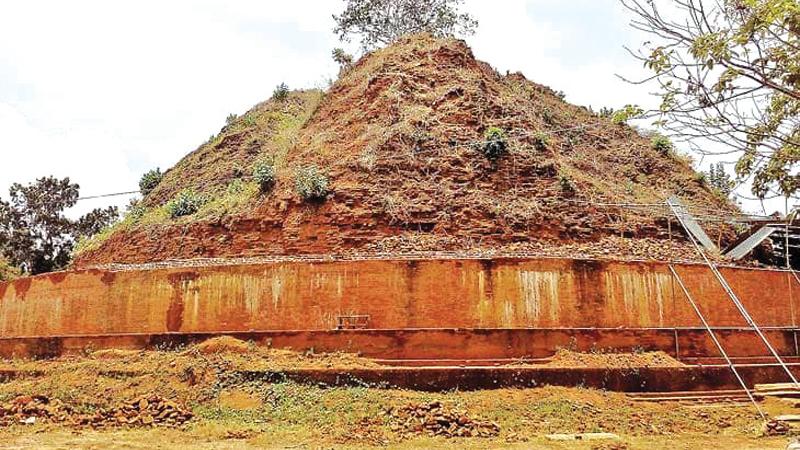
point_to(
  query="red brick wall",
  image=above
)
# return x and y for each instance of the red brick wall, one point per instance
(503, 293)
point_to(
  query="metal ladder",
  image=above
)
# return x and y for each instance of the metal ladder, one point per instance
(728, 290)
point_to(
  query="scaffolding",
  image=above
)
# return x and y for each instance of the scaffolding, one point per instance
(716, 342)
(695, 234)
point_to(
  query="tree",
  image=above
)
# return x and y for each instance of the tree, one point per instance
(7, 271)
(381, 22)
(728, 71)
(35, 234)
(719, 180)
(344, 59)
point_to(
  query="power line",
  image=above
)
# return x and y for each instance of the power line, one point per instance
(115, 194)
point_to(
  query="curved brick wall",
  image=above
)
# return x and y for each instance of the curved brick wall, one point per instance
(500, 293)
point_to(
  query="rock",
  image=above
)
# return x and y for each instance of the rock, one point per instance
(775, 428)
(436, 420)
(150, 411)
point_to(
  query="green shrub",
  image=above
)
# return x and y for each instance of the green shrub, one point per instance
(135, 211)
(565, 182)
(231, 118)
(264, 174)
(235, 187)
(149, 181)
(541, 140)
(495, 143)
(250, 120)
(547, 115)
(310, 183)
(719, 180)
(661, 144)
(281, 92)
(185, 203)
(628, 112)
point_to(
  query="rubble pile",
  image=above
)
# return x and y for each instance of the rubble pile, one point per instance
(776, 427)
(145, 411)
(435, 419)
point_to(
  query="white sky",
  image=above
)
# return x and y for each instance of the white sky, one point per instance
(102, 91)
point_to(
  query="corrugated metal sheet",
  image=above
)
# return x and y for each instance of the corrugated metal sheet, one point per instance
(691, 224)
(741, 250)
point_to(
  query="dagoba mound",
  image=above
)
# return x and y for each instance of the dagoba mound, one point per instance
(401, 139)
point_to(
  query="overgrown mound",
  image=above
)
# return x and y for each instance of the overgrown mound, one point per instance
(417, 147)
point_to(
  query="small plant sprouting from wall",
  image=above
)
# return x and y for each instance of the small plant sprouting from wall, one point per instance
(281, 92)
(661, 144)
(541, 140)
(495, 143)
(264, 174)
(185, 203)
(310, 183)
(136, 210)
(566, 183)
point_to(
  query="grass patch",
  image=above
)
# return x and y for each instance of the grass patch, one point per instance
(237, 195)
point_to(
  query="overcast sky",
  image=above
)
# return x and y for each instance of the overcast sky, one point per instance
(102, 91)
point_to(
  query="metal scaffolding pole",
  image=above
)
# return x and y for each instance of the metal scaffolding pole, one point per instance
(716, 341)
(676, 207)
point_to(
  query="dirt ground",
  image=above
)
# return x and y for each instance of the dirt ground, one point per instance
(229, 411)
(203, 439)
(568, 358)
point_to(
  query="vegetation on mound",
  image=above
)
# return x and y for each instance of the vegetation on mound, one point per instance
(264, 174)
(185, 203)
(268, 130)
(310, 183)
(496, 143)
(150, 181)
(402, 139)
(263, 135)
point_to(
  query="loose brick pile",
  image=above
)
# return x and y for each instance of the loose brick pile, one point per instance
(436, 419)
(145, 411)
(776, 428)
